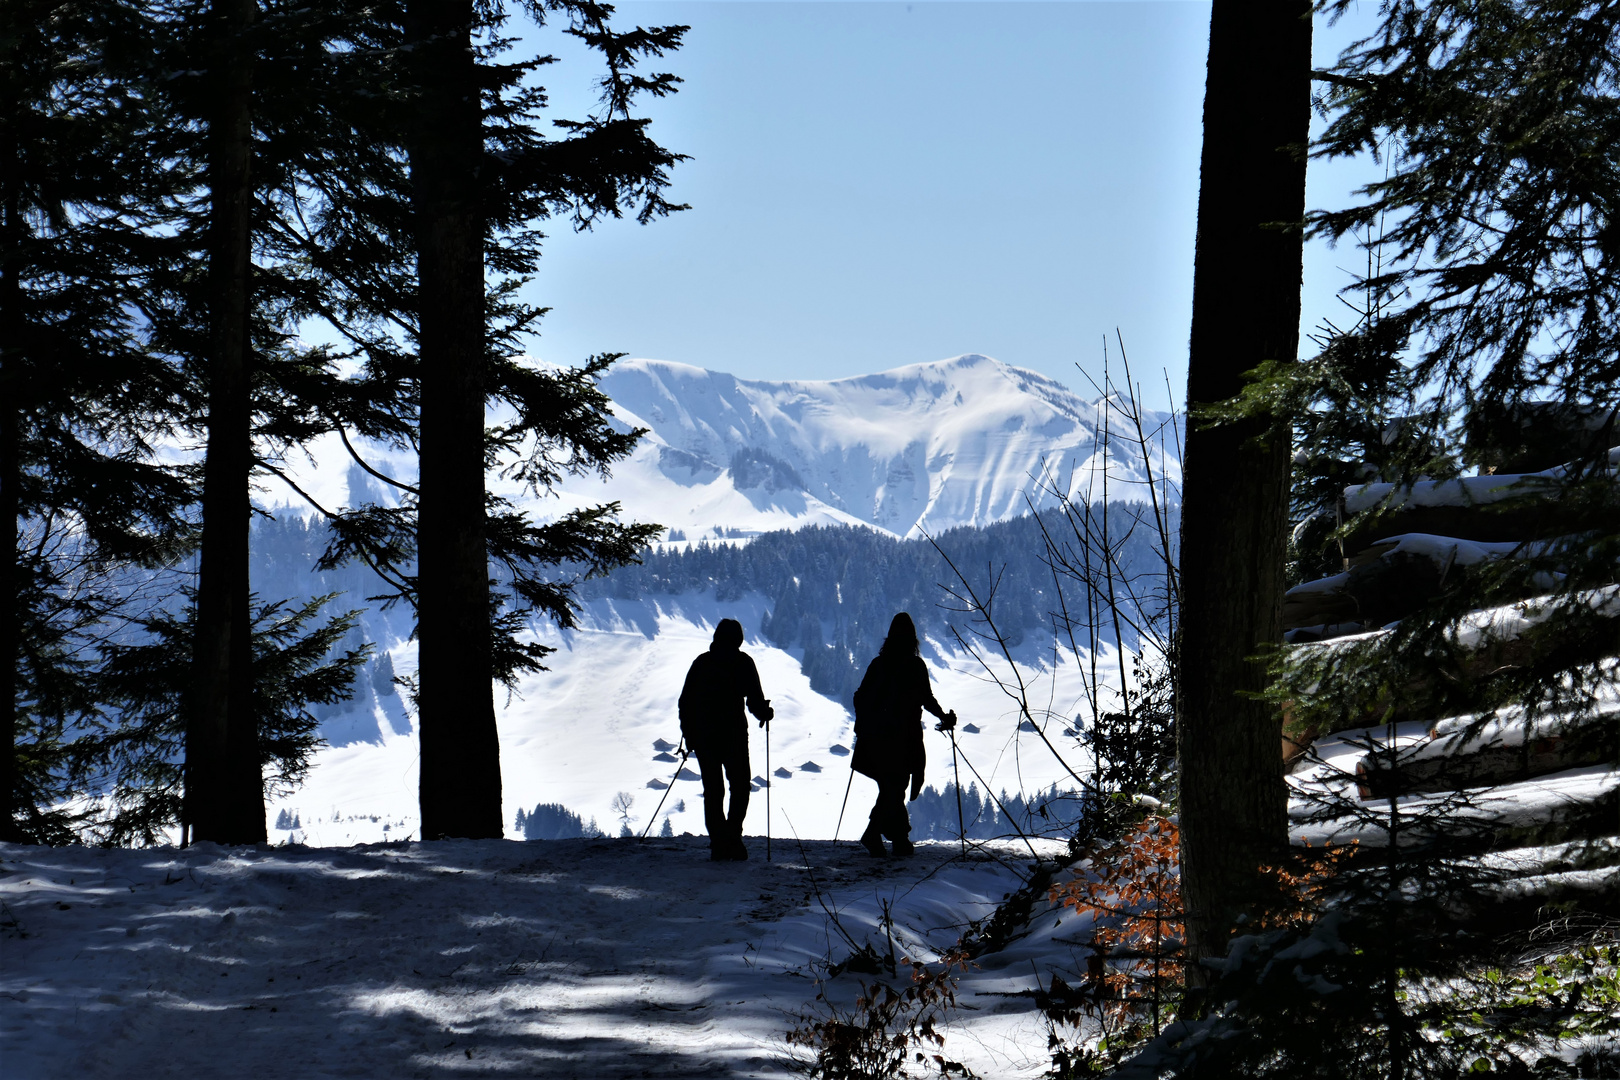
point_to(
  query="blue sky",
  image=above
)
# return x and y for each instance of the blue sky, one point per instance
(878, 184)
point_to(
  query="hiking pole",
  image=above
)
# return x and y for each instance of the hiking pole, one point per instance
(678, 767)
(961, 829)
(766, 724)
(847, 785)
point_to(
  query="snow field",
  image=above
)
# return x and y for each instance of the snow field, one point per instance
(585, 730)
(587, 958)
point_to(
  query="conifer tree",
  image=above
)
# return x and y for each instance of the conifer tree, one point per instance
(460, 778)
(81, 400)
(253, 124)
(131, 760)
(465, 177)
(1488, 347)
(1497, 213)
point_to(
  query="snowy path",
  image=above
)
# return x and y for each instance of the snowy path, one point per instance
(601, 958)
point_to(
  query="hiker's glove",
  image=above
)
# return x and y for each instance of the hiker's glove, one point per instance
(947, 722)
(766, 714)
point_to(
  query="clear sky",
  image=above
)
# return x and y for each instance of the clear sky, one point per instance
(878, 184)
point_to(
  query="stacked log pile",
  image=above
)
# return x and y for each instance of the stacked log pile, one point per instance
(1521, 780)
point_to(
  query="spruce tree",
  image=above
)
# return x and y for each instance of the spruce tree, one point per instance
(460, 777)
(254, 125)
(130, 761)
(1486, 362)
(464, 178)
(82, 402)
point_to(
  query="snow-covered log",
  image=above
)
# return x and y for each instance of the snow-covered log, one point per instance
(1473, 751)
(1454, 507)
(1388, 581)
(1557, 808)
(1463, 492)
(1405, 773)
(1574, 870)
(1493, 639)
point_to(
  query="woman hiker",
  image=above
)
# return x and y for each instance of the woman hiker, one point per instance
(889, 733)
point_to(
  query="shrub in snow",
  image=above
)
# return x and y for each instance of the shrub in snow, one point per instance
(887, 1032)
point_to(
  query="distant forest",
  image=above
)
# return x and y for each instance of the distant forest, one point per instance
(933, 816)
(834, 589)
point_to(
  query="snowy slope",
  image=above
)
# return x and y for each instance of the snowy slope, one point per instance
(927, 447)
(586, 730)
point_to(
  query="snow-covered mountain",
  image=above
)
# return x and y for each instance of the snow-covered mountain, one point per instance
(924, 448)
(921, 448)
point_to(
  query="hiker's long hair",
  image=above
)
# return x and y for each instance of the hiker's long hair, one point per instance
(902, 639)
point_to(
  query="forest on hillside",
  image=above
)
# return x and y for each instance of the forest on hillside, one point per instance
(833, 590)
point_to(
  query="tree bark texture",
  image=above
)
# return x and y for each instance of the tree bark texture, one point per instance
(1246, 308)
(11, 395)
(461, 768)
(224, 797)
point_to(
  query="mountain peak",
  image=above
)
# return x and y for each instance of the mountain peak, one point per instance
(926, 446)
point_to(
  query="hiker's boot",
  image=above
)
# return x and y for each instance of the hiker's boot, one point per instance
(739, 853)
(872, 841)
(904, 848)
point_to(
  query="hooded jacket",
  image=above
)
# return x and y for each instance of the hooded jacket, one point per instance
(718, 685)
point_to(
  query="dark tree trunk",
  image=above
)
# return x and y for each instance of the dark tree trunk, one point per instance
(1246, 286)
(10, 473)
(224, 798)
(461, 766)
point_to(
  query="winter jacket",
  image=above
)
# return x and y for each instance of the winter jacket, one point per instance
(718, 684)
(888, 717)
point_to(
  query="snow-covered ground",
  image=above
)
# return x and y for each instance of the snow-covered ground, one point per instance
(589, 728)
(573, 958)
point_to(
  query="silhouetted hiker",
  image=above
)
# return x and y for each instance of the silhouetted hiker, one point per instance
(718, 684)
(889, 733)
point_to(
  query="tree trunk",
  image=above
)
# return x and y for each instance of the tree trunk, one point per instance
(224, 798)
(10, 474)
(460, 752)
(1246, 305)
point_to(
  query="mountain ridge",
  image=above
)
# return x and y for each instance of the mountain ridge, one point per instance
(920, 448)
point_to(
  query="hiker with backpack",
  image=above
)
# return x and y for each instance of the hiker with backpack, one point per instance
(718, 685)
(889, 733)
